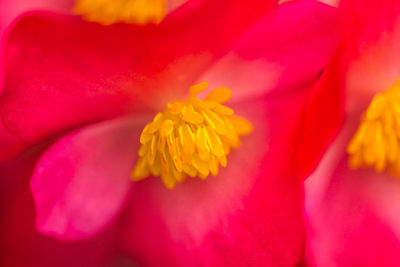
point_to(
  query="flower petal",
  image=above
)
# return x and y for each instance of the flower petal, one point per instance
(80, 183)
(326, 104)
(370, 37)
(83, 72)
(286, 48)
(9, 10)
(10, 143)
(250, 214)
(21, 244)
(353, 214)
(173, 4)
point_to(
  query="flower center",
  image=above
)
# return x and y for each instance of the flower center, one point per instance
(377, 140)
(190, 137)
(129, 11)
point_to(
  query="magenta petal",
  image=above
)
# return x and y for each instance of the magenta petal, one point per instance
(251, 214)
(81, 182)
(353, 214)
(9, 10)
(370, 38)
(65, 79)
(286, 48)
(21, 245)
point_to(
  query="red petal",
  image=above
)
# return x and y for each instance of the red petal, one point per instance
(9, 10)
(322, 120)
(62, 72)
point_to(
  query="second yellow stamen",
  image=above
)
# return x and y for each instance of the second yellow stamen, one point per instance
(377, 140)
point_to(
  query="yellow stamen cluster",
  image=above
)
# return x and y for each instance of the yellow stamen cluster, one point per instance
(377, 140)
(129, 11)
(190, 137)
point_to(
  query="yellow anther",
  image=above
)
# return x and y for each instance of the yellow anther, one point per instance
(220, 95)
(377, 139)
(166, 127)
(241, 126)
(156, 123)
(202, 148)
(145, 136)
(215, 121)
(190, 115)
(175, 108)
(213, 164)
(186, 138)
(190, 137)
(152, 150)
(214, 142)
(223, 161)
(198, 88)
(128, 11)
(224, 110)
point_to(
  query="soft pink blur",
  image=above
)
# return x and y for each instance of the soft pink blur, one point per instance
(353, 214)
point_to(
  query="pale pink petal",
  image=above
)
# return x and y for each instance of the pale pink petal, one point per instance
(80, 183)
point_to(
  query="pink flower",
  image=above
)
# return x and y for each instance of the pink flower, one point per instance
(85, 92)
(354, 211)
